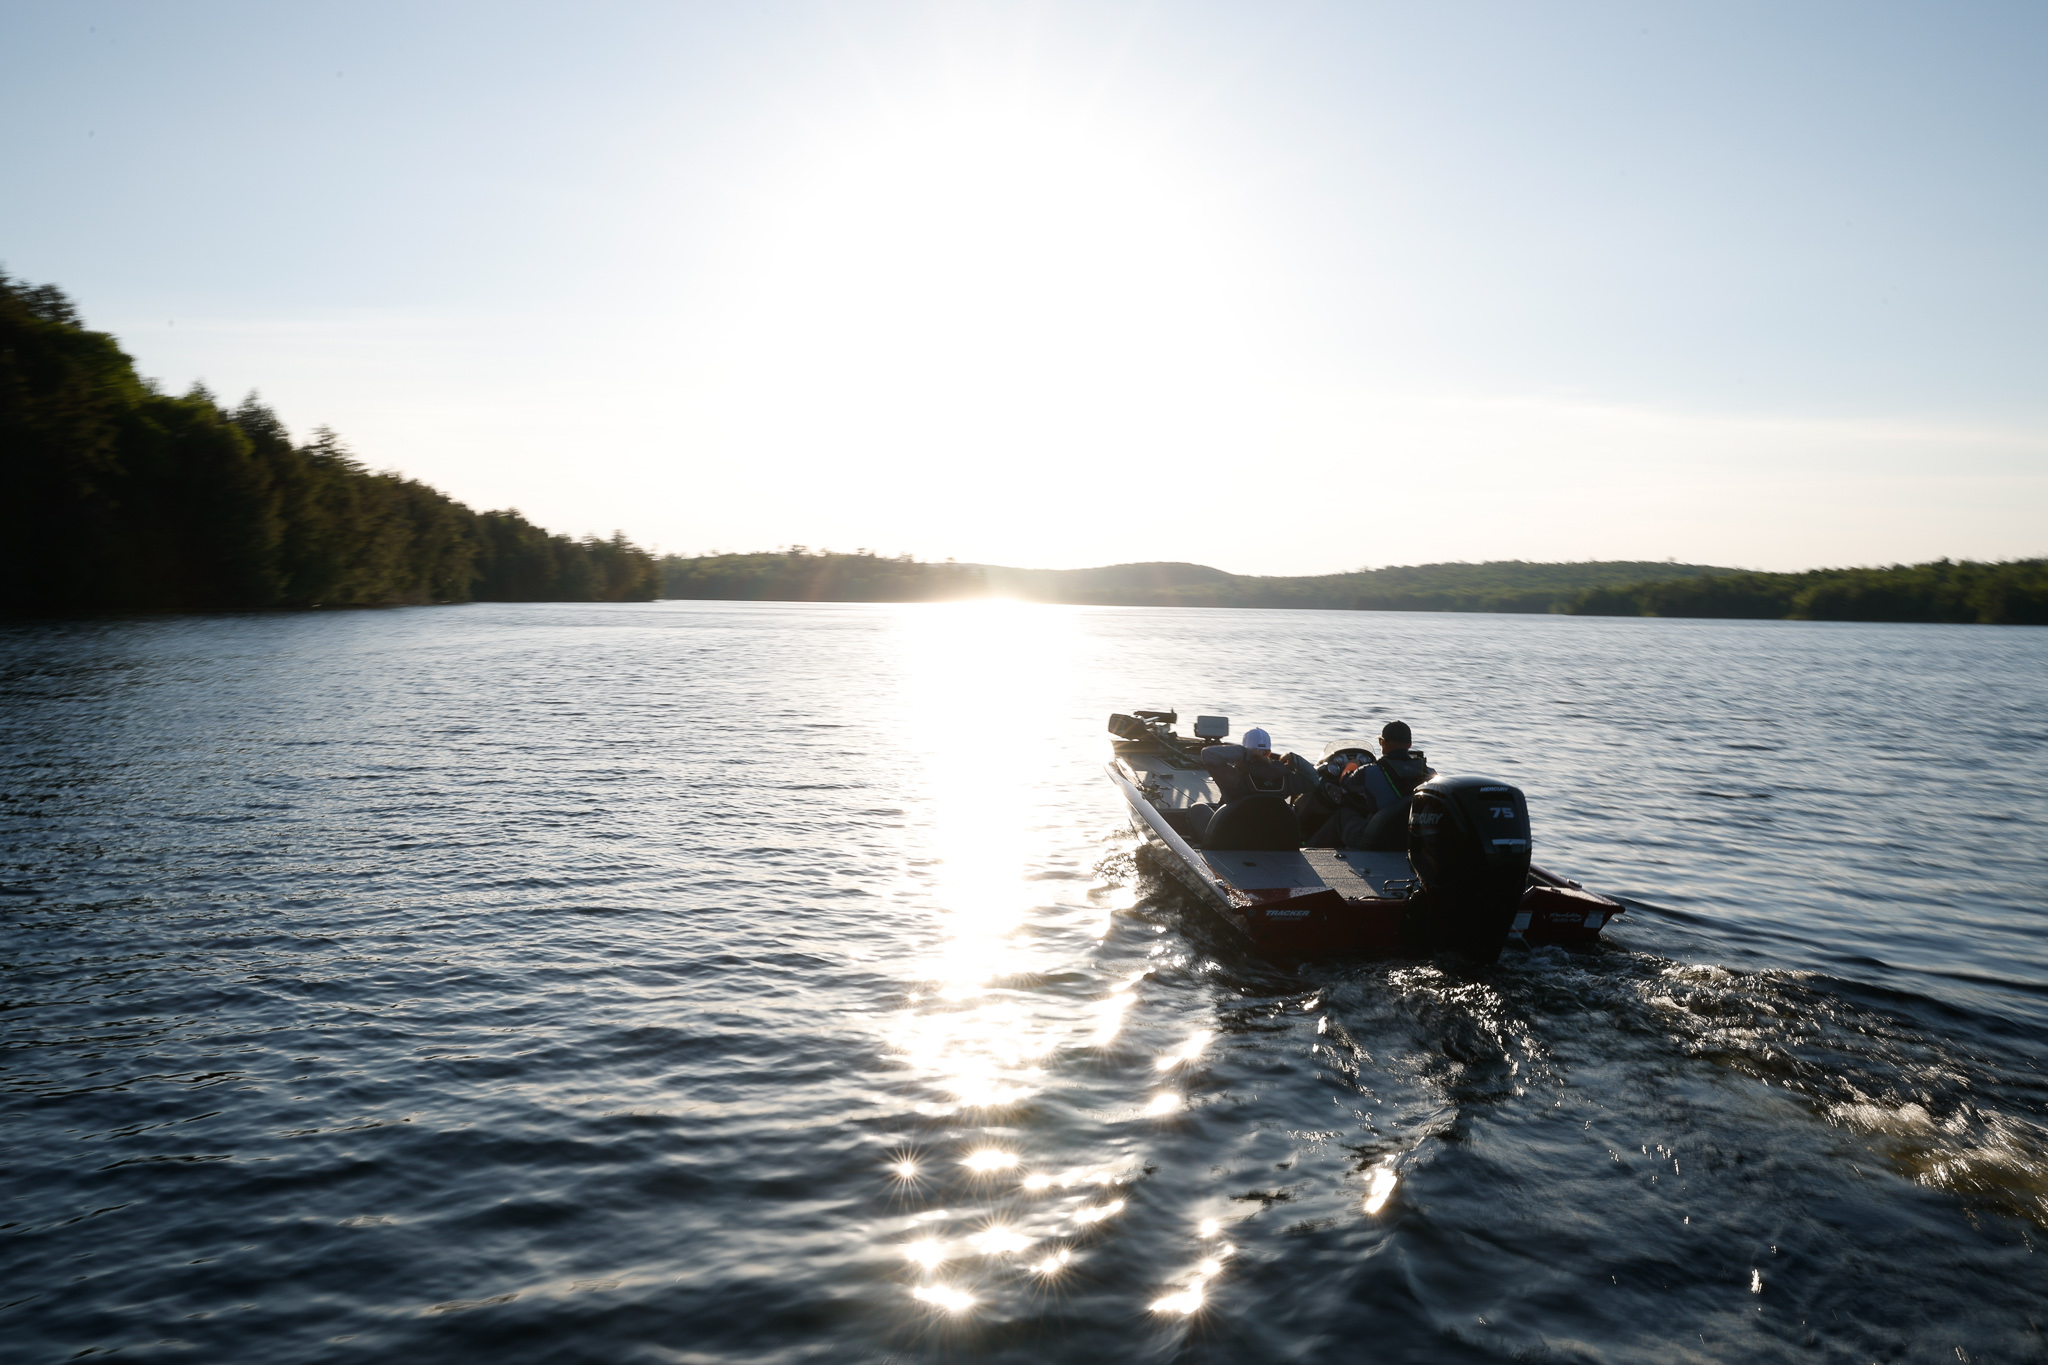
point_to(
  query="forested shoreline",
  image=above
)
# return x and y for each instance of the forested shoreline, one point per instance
(2008, 593)
(116, 496)
(799, 575)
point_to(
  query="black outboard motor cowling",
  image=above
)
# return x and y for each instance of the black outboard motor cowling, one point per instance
(1468, 838)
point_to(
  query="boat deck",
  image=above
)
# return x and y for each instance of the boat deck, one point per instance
(1351, 874)
(1356, 875)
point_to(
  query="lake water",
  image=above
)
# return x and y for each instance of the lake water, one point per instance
(730, 982)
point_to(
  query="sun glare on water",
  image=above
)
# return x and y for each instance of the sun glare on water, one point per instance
(927, 1253)
(976, 680)
(1382, 1188)
(942, 1296)
(1000, 1242)
(1186, 1053)
(980, 706)
(978, 684)
(990, 1160)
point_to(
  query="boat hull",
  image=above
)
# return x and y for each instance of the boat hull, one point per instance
(1322, 902)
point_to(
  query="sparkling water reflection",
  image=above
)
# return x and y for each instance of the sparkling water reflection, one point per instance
(705, 981)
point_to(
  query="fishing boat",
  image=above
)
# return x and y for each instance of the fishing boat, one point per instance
(1459, 878)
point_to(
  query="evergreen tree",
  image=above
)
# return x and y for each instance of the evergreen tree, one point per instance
(114, 495)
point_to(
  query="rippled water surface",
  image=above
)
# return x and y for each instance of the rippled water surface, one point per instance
(694, 982)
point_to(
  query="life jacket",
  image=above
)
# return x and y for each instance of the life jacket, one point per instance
(1272, 776)
(1367, 789)
(1370, 813)
(1406, 770)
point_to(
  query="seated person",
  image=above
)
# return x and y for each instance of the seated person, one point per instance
(1357, 795)
(1250, 768)
(1315, 808)
(1404, 766)
(1370, 799)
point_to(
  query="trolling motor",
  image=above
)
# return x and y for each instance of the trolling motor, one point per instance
(1468, 838)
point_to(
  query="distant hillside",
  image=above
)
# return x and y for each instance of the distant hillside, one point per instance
(2013, 593)
(1511, 585)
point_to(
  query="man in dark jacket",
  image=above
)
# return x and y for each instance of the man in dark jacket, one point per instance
(1242, 770)
(1370, 800)
(1404, 766)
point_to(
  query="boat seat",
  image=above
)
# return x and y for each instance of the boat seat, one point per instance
(1259, 824)
(1388, 831)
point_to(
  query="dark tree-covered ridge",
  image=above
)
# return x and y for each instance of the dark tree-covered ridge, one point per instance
(113, 495)
(2010, 593)
(799, 575)
(2014, 593)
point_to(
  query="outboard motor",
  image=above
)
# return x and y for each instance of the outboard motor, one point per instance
(1468, 838)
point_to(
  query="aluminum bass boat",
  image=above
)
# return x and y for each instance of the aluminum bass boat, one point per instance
(1458, 879)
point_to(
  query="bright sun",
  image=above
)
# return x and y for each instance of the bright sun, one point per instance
(928, 265)
(955, 309)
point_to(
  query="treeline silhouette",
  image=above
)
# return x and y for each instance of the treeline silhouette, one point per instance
(799, 575)
(2011, 593)
(114, 495)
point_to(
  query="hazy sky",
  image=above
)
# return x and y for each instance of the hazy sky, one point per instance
(1277, 287)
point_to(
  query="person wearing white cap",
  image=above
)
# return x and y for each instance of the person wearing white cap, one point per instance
(1251, 768)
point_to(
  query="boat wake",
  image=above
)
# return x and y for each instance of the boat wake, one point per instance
(1934, 1092)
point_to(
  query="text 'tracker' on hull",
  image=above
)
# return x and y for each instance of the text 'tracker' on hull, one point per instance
(1463, 882)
